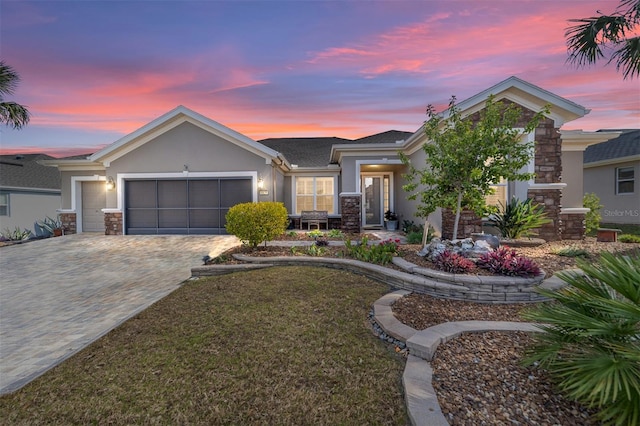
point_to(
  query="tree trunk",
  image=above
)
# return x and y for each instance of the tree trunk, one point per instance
(457, 220)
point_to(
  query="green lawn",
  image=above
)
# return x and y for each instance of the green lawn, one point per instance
(286, 345)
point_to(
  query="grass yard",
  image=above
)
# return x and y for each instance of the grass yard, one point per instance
(287, 345)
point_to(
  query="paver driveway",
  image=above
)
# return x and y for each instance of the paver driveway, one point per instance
(60, 294)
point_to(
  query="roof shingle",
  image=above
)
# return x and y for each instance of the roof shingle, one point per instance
(23, 171)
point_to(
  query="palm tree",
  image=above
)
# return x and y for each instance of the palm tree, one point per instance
(11, 113)
(591, 339)
(588, 40)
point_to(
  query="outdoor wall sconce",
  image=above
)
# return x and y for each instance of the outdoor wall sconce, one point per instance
(111, 185)
(260, 183)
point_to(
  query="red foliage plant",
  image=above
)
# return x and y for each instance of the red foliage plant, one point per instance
(506, 261)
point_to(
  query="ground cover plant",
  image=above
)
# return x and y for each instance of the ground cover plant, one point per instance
(287, 345)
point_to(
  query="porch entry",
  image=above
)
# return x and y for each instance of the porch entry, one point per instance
(376, 198)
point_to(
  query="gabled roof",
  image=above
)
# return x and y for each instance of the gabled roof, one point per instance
(390, 136)
(623, 148)
(317, 152)
(530, 96)
(23, 171)
(170, 120)
(304, 152)
(516, 90)
(177, 116)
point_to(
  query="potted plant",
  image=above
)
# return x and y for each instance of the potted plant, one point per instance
(52, 226)
(391, 220)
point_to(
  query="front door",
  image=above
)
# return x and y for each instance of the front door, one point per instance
(93, 201)
(372, 209)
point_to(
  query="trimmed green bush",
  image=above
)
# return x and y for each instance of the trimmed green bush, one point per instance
(592, 219)
(591, 341)
(518, 218)
(628, 238)
(254, 223)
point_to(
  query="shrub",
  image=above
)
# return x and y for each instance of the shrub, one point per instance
(414, 238)
(571, 252)
(335, 233)
(592, 219)
(453, 263)
(409, 226)
(315, 250)
(254, 223)
(628, 238)
(315, 233)
(506, 261)
(518, 218)
(590, 344)
(16, 235)
(380, 253)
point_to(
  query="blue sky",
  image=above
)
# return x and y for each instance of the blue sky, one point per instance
(93, 71)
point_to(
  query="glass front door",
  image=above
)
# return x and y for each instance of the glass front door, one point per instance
(372, 210)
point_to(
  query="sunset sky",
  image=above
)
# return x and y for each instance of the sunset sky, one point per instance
(94, 71)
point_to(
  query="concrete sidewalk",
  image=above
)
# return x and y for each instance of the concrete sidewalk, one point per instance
(60, 294)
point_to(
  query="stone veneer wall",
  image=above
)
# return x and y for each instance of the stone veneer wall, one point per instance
(548, 169)
(350, 208)
(573, 226)
(113, 224)
(550, 199)
(469, 223)
(69, 223)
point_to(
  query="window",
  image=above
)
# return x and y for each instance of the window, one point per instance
(315, 193)
(4, 204)
(625, 177)
(499, 196)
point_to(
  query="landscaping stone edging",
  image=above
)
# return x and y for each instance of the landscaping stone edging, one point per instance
(467, 288)
(423, 408)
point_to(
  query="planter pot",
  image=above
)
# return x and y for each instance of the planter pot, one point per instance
(57, 232)
(391, 225)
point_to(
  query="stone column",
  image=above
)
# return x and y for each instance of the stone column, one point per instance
(350, 208)
(69, 223)
(469, 224)
(547, 189)
(113, 223)
(573, 223)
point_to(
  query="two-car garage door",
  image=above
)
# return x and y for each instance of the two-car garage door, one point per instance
(182, 206)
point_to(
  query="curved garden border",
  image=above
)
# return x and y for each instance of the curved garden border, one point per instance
(483, 289)
(420, 397)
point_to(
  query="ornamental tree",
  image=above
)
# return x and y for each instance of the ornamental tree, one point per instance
(464, 157)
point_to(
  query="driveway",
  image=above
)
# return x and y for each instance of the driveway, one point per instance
(60, 294)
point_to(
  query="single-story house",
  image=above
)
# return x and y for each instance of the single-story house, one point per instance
(183, 171)
(611, 171)
(29, 191)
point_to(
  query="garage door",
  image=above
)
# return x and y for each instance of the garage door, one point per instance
(194, 206)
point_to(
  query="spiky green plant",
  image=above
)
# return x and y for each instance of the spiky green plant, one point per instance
(518, 218)
(591, 339)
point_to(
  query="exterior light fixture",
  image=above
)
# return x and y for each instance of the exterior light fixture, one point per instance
(111, 185)
(260, 183)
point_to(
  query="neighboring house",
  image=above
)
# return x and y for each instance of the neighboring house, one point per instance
(29, 191)
(183, 171)
(612, 172)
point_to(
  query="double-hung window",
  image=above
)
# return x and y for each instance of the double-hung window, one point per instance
(625, 180)
(315, 193)
(4, 204)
